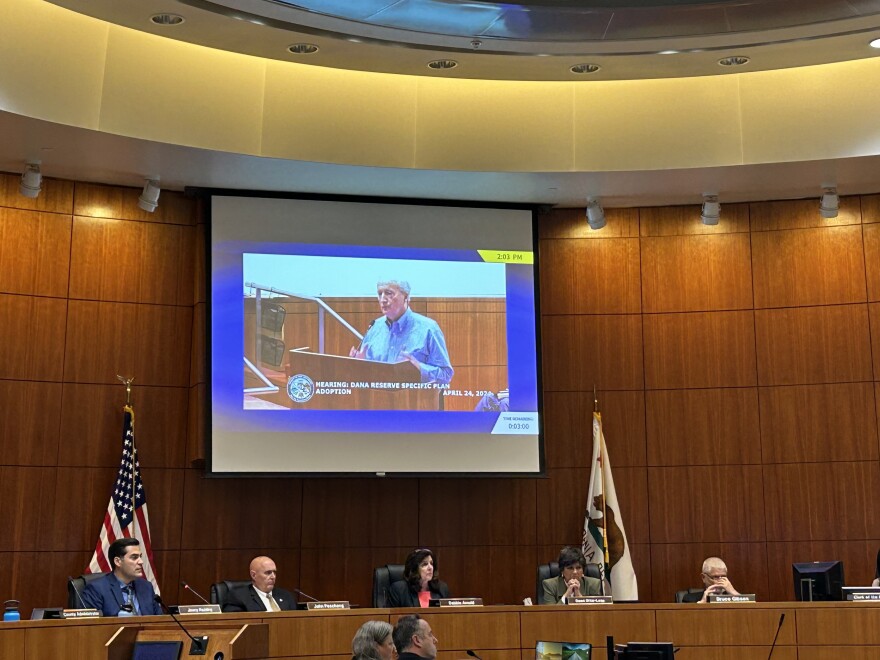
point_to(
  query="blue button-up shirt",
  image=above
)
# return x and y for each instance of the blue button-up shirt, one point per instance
(416, 335)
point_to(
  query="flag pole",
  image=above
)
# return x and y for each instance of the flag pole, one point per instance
(128, 409)
(606, 557)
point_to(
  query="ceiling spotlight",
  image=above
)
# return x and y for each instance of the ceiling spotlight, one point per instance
(734, 60)
(595, 213)
(585, 68)
(442, 64)
(874, 43)
(711, 211)
(303, 49)
(167, 19)
(829, 202)
(149, 199)
(31, 180)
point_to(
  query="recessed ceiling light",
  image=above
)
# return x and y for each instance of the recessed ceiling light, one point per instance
(442, 64)
(167, 19)
(585, 68)
(303, 49)
(734, 60)
(875, 43)
(668, 52)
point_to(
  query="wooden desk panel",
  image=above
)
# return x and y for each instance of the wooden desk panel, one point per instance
(11, 643)
(735, 653)
(850, 623)
(587, 624)
(472, 627)
(70, 640)
(312, 635)
(725, 625)
(837, 652)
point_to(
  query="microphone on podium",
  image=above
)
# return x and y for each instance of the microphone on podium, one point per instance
(303, 593)
(199, 644)
(184, 584)
(473, 655)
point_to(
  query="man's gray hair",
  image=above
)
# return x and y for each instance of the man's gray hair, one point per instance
(403, 285)
(713, 562)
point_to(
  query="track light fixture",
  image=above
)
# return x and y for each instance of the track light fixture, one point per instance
(31, 180)
(829, 203)
(595, 213)
(711, 211)
(149, 199)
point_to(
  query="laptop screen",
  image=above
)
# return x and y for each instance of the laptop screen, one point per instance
(562, 651)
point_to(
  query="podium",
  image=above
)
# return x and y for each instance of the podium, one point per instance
(336, 382)
(234, 641)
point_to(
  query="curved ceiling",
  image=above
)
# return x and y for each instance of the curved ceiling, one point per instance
(519, 40)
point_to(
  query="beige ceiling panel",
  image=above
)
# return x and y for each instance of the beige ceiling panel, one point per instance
(170, 91)
(657, 124)
(52, 62)
(816, 112)
(327, 115)
(494, 125)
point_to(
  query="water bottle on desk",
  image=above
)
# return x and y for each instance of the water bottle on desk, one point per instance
(11, 612)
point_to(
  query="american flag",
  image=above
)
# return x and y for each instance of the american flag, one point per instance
(127, 511)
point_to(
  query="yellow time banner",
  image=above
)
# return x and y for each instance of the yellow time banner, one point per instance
(506, 257)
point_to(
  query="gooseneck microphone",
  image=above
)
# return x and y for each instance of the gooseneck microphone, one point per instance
(776, 636)
(473, 655)
(78, 594)
(199, 644)
(303, 593)
(201, 597)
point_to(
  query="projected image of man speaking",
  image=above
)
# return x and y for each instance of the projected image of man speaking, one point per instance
(402, 334)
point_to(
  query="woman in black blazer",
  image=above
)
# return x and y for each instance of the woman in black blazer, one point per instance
(419, 584)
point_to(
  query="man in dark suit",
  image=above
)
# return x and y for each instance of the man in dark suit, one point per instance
(261, 595)
(414, 639)
(715, 581)
(123, 592)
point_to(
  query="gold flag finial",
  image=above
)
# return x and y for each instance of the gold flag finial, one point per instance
(127, 382)
(595, 399)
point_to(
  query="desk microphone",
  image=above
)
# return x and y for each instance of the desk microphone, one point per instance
(78, 594)
(201, 597)
(199, 645)
(303, 593)
(776, 636)
(473, 655)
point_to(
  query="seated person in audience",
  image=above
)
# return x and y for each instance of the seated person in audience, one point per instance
(373, 641)
(419, 584)
(261, 595)
(876, 582)
(414, 639)
(571, 581)
(714, 580)
(123, 592)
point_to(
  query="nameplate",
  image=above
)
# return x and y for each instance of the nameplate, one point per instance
(198, 609)
(856, 594)
(80, 614)
(729, 598)
(589, 600)
(328, 605)
(456, 602)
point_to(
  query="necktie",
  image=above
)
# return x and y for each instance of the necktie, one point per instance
(273, 605)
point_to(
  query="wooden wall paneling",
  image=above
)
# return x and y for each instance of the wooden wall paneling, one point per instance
(572, 223)
(726, 625)
(859, 562)
(103, 201)
(685, 220)
(801, 214)
(582, 351)
(195, 427)
(704, 350)
(201, 278)
(709, 504)
(199, 342)
(463, 511)
(359, 513)
(587, 624)
(822, 501)
(809, 423)
(119, 260)
(870, 208)
(27, 507)
(813, 345)
(472, 305)
(34, 252)
(736, 652)
(243, 512)
(568, 423)
(703, 427)
(495, 629)
(56, 195)
(874, 312)
(590, 277)
(677, 566)
(68, 641)
(32, 337)
(298, 636)
(149, 342)
(39, 579)
(823, 266)
(871, 237)
(346, 573)
(839, 625)
(166, 568)
(30, 423)
(92, 417)
(696, 273)
(201, 569)
(474, 338)
(562, 501)
(849, 652)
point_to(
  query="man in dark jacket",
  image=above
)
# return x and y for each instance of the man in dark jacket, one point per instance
(261, 595)
(413, 638)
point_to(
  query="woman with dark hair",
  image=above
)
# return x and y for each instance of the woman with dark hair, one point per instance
(571, 581)
(373, 641)
(419, 584)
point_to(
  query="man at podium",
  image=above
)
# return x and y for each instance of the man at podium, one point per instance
(402, 334)
(123, 591)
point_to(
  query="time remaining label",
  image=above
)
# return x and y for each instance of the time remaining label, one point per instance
(507, 257)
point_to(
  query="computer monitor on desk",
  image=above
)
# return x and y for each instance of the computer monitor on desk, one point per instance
(563, 651)
(818, 580)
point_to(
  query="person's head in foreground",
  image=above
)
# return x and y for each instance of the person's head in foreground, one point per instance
(373, 641)
(413, 638)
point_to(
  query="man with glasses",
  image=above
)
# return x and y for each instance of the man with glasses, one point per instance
(571, 581)
(402, 334)
(413, 638)
(714, 580)
(123, 592)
